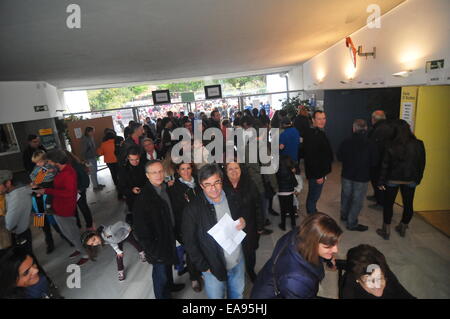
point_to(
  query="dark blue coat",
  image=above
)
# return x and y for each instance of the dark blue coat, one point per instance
(296, 278)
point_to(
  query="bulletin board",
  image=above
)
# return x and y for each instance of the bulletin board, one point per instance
(76, 131)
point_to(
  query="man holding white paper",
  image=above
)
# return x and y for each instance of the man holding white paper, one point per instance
(214, 247)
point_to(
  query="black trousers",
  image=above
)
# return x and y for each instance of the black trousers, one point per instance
(407, 197)
(84, 208)
(287, 207)
(114, 169)
(23, 241)
(194, 274)
(48, 232)
(379, 194)
(250, 262)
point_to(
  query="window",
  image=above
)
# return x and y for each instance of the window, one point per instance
(8, 141)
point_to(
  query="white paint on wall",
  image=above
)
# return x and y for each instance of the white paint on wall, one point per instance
(17, 101)
(411, 34)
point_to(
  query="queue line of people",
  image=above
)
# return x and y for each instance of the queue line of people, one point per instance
(169, 205)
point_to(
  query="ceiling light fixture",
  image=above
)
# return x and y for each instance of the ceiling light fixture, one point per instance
(402, 74)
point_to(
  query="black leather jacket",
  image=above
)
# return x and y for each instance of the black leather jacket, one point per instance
(403, 162)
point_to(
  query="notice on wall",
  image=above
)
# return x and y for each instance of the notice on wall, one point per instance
(77, 131)
(48, 139)
(408, 105)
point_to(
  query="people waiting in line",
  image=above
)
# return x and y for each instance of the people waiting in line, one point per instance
(155, 228)
(89, 154)
(114, 235)
(18, 211)
(170, 208)
(34, 144)
(183, 191)
(241, 189)
(108, 150)
(82, 186)
(318, 159)
(286, 189)
(223, 273)
(358, 155)
(296, 267)
(368, 276)
(132, 179)
(402, 168)
(381, 133)
(64, 193)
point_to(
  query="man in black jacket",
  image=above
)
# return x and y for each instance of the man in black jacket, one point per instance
(318, 159)
(154, 226)
(381, 133)
(34, 144)
(132, 179)
(358, 155)
(223, 273)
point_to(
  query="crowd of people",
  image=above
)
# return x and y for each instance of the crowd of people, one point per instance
(171, 207)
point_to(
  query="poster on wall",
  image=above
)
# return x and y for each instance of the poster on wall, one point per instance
(408, 105)
(47, 138)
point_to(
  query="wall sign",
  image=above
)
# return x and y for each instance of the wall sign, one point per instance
(408, 105)
(40, 108)
(47, 138)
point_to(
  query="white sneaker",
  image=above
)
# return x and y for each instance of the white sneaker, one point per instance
(142, 257)
(121, 275)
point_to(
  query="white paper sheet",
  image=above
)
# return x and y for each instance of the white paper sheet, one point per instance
(226, 234)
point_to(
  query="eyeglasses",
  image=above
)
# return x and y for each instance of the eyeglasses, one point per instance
(215, 184)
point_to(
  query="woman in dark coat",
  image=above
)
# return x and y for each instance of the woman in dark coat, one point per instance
(368, 276)
(183, 191)
(402, 167)
(240, 188)
(296, 267)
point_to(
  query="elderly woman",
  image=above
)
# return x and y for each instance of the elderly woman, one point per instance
(244, 192)
(296, 267)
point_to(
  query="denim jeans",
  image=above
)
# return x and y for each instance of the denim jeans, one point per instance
(314, 191)
(233, 287)
(407, 192)
(352, 198)
(162, 281)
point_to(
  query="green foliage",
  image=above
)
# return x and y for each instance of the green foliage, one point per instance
(195, 86)
(114, 98)
(291, 105)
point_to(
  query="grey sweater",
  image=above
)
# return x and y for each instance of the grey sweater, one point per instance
(115, 234)
(88, 148)
(18, 209)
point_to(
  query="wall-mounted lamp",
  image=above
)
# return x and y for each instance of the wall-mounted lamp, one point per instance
(402, 74)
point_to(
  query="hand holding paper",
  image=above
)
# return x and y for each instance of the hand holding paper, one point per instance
(228, 233)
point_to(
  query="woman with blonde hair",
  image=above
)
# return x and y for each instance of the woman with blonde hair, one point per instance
(296, 267)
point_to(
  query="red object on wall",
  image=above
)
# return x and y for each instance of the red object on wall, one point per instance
(349, 44)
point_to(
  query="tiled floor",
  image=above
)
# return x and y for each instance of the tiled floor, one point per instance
(421, 261)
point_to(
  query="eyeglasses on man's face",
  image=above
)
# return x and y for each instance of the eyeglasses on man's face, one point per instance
(211, 185)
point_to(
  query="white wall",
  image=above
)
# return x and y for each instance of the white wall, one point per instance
(17, 101)
(296, 78)
(411, 34)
